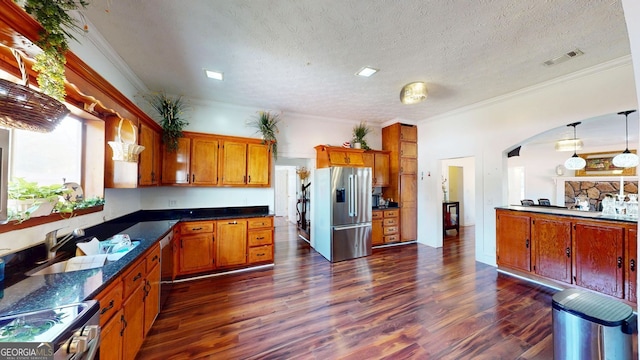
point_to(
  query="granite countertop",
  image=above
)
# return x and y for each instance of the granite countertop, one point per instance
(554, 210)
(51, 290)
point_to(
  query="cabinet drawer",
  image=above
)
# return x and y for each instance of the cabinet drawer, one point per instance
(153, 257)
(376, 214)
(260, 237)
(261, 254)
(390, 222)
(110, 301)
(391, 213)
(389, 230)
(196, 227)
(391, 238)
(263, 222)
(134, 278)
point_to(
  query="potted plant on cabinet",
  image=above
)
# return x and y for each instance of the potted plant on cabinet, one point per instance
(171, 111)
(359, 132)
(266, 124)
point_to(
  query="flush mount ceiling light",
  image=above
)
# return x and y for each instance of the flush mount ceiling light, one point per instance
(627, 159)
(214, 75)
(366, 71)
(575, 162)
(569, 145)
(413, 93)
(564, 57)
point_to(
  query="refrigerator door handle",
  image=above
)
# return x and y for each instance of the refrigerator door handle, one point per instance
(347, 227)
(351, 195)
(355, 196)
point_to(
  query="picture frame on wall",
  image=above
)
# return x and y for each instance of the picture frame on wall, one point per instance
(601, 164)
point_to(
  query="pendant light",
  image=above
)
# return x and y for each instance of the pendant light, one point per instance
(627, 159)
(575, 162)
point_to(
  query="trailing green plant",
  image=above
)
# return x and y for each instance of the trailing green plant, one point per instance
(21, 189)
(171, 110)
(70, 206)
(53, 16)
(359, 132)
(266, 124)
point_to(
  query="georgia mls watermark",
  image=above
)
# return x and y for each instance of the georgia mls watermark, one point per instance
(26, 351)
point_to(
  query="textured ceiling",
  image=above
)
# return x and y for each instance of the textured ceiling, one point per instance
(301, 55)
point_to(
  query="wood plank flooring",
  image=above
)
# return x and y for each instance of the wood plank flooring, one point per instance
(403, 302)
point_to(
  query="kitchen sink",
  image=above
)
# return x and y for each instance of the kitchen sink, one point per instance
(61, 266)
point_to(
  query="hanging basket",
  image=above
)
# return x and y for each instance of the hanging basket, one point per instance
(22, 107)
(124, 151)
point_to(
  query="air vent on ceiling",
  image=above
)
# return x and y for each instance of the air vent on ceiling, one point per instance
(564, 57)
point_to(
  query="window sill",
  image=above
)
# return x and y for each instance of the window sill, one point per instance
(15, 225)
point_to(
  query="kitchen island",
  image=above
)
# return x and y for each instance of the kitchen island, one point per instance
(564, 248)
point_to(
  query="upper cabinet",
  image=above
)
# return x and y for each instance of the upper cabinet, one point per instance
(150, 158)
(216, 160)
(327, 156)
(378, 161)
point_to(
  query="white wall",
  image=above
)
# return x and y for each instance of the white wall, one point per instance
(487, 129)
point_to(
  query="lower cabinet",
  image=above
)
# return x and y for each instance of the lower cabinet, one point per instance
(129, 306)
(197, 247)
(391, 225)
(551, 241)
(599, 255)
(377, 237)
(231, 247)
(260, 240)
(599, 259)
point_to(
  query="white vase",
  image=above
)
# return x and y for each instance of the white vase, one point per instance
(357, 145)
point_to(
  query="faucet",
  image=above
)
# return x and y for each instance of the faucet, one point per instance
(53, 245)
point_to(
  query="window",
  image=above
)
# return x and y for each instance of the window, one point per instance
(48, 158)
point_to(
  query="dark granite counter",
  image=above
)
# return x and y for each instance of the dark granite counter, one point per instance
(51, 290)
(554, 210)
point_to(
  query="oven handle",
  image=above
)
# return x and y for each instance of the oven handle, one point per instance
(92, 352)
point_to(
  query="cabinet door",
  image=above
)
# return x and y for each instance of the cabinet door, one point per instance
(381, 170)
(111, 338)
(598, 252)
(408, 166)
(377, 238)
(258, 164)
(338, 158)
(408, 133)
(231, 246)
(152, 298)
(552, 242)
(134, 324)
(234, 163)
(196, 252)
(369, 160)
(204, 161)
(149, 159)
(408, 149)
(408, 208)
(175, 165)
(631, 275)
(513, 241)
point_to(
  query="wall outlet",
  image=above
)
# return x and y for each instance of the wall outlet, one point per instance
(173, 202)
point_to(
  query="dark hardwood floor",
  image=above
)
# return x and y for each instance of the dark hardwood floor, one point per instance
(403, 302)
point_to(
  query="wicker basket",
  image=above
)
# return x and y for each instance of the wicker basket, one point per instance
(22, 107)
(124, 151)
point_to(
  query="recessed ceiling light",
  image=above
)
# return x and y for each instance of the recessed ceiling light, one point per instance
(564, 57)
(366, 71)
(213, 75)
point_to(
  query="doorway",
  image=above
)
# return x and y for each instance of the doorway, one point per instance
(285, 192)
(458, 182)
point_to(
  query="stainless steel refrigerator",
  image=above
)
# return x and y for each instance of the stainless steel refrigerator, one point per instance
(342, 213)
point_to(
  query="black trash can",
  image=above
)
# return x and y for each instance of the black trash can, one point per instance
(591, 326)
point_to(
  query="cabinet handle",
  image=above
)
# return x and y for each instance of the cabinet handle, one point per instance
(105, 309)
(568, 252)
(527, 243)
(137, 277)
(232, 222)
(260, 238)
(124, 325)
(196, 229)
(181, 246)
(632, 265)
(619, 261)
(193, 178)
(155, 258)
(249, 179)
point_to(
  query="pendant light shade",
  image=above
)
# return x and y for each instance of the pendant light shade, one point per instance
(575, 162)
(627, 159)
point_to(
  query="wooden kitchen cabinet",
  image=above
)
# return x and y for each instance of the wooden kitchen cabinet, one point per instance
(391, 225)
(245, 163)
(231, 246)
(151, 297)
(196, 247)
(327, 156)
(598, 252)
(551, 245)
(631, 272)
(260, 239)
(258, 163)
(378, 161)
(150, 159)
(111, 337)
(176, 164)
(377, 238)
(513, 246)
(204, 161)
(401, 142)
(133, 335)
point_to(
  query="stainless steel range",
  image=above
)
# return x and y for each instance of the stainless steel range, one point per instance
(66, 332)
